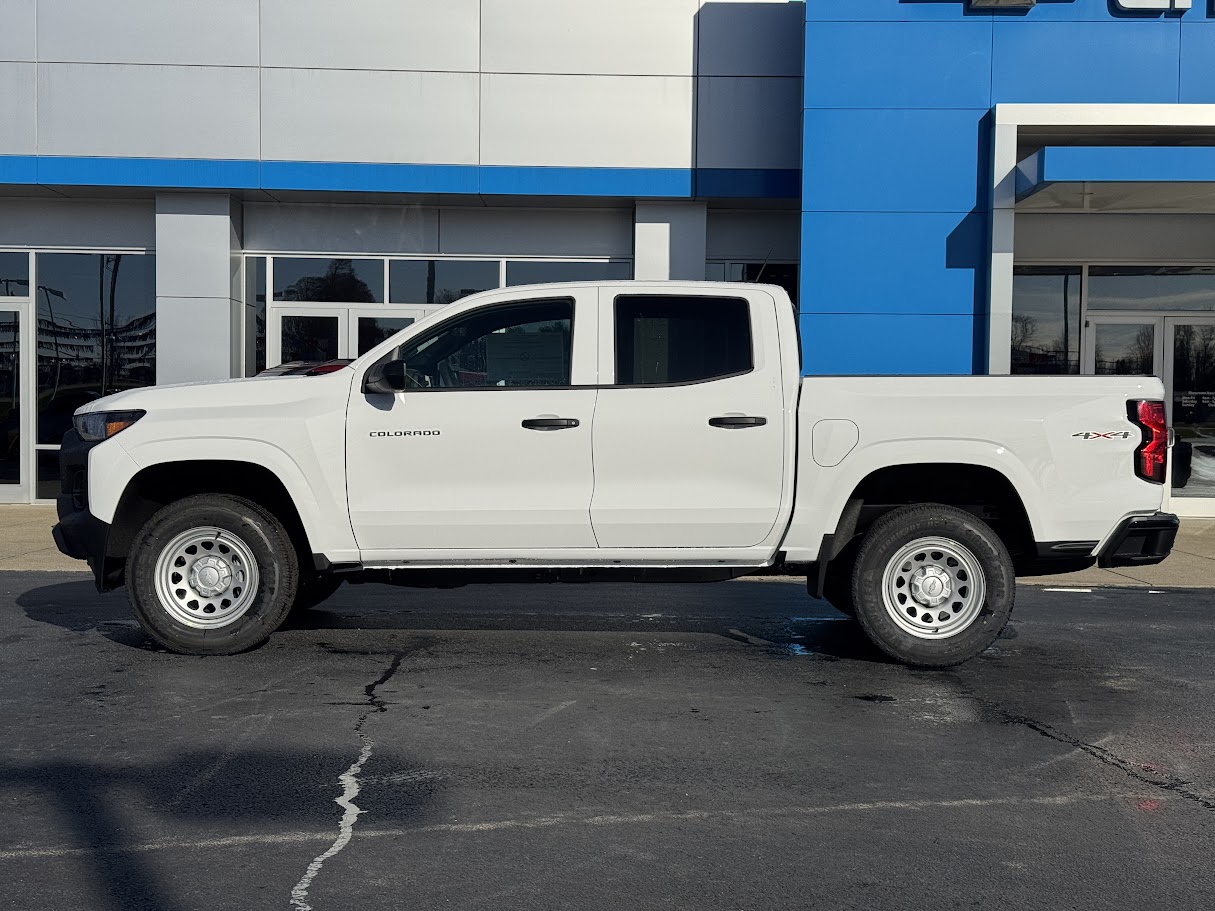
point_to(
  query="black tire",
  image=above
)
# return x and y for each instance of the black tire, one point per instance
(314, 589)
(265, 541)
(902, 528)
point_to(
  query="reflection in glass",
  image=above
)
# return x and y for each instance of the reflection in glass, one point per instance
(438, 281)
(530, 273)
(526, 344)
(14, 274)
(255, 312)
(96, 331)
(10, 415)
(48, 486)
(309, 338)
(1124, 349)
(766, 273)
(1193, 415)
(1046, 320)
(376, 329)
(349, 281)
(1151, 288)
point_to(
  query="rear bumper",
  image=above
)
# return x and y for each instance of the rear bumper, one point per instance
(1140, 541)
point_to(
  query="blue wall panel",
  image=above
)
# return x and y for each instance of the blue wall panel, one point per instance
(897, 152)
(1115, 61)
(894, 160)
(884, 262)
(861, 343)
(907, 65)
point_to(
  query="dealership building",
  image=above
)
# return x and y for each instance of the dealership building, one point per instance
(199, 189)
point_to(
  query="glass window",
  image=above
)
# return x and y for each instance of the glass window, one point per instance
(438, 281)
(309, 338)
(1124, 349)
(96, 331)
(669, 339)
(376, 329)
(10, 399)
(1046, 320)
(14, 274)
(49, 484)
(255, 315)
(532, 273)
(1151, 288)
(526, 344)
(349, 281)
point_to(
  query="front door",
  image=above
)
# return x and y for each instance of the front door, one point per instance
(690, 435)
(489, 448)
(14, 410)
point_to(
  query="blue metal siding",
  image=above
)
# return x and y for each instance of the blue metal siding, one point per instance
(896, 155)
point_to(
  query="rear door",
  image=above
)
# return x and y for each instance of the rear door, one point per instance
(689, 437)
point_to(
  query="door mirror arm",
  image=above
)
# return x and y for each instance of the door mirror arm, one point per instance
(387, 378)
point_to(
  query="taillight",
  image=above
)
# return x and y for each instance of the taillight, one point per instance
(1152, 455)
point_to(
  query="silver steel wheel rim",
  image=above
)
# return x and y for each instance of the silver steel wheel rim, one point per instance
(933, 588)
(206, 577)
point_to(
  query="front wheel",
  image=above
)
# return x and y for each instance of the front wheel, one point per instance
(211, 575)
(933, 585)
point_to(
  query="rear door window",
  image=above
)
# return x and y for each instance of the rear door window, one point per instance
(665, 339)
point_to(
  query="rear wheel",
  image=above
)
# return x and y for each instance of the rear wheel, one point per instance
(211, 575)
(933, 585)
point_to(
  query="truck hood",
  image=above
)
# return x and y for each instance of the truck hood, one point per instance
(266, 389)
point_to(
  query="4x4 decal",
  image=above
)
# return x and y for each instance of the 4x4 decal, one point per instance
(1112, 435)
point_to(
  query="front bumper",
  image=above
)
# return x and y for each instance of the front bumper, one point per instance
(1140, 541)
(80, 534)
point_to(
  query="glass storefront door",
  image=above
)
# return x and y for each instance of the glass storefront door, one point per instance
(1125, 346)
(14, 435)
(1190, 390)
(326, 333)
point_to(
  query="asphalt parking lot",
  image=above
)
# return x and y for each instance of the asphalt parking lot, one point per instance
(712, 747)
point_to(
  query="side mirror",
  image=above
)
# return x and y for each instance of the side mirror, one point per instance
(387, 378)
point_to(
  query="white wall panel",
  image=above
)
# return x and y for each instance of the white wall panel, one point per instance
(751, 39)
(17, 30)
(340, 229)
(753, 236)
(18, 130)
(194, 241)
(536, 232)
(587, 121)
(371, 34)
(623, 37)
(1114, 238)
(147, 111)
(78, 223)
(193, 339)
(200, 32)
(360, 115)
(748, 122)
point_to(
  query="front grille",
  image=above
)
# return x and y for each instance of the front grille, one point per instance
(80, 491)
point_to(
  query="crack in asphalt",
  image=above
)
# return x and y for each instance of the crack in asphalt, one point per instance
(1179, 786)
(350, 783)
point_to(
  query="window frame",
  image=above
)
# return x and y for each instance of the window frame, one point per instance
(614, 330)
(473, 312)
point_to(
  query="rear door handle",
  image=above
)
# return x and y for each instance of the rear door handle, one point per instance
(550, 423)
(737, 421)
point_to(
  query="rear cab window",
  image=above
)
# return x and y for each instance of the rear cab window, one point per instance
(675, 339)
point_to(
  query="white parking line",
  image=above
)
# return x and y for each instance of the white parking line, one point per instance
(1083, 591)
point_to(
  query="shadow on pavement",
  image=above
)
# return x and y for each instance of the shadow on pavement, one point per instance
(196, 797)
(776, 613)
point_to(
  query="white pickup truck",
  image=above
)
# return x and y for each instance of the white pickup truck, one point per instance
(643, 431)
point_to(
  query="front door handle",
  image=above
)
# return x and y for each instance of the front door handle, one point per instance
(737, 421)
(550, 423)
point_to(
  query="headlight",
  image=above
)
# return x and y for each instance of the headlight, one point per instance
(101, 425)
